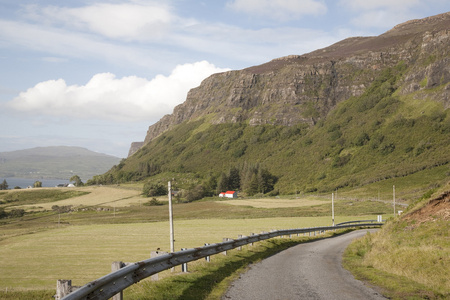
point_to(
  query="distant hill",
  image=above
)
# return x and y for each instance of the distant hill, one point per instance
(59, 162)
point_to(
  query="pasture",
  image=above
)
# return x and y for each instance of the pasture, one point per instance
(43, 245)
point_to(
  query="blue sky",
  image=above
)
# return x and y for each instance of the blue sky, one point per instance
(96, 74)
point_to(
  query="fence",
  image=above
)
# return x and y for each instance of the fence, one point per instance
(115, 282)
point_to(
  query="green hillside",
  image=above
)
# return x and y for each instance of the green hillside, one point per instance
(378, 135)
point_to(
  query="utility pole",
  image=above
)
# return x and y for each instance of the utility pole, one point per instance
(171, 219)
(332, 207)
(393, 192)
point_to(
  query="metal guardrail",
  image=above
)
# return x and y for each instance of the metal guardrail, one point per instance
(355, 222)
(115, 282)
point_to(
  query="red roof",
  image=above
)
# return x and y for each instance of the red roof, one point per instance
(230, 192)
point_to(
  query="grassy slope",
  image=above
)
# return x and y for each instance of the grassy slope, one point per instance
(409, 257)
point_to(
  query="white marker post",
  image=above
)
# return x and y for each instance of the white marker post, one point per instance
(171, 220)
(332, 208)
(393, 196)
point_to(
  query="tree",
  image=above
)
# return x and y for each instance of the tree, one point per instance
(37, 184)
(195, 193)
(4, 185)
(222, 183)
(234, 179)
(77, 180)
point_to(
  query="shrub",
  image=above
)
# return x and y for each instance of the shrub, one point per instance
(154, 189)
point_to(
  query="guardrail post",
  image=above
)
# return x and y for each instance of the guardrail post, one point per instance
(156, 253)
(184, 268)
(251, 244)
(226, 240)
(207, 258)
(239, 237)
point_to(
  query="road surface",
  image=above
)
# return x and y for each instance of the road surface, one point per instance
(306, 271)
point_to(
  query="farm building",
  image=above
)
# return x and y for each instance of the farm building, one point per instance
(228, 194)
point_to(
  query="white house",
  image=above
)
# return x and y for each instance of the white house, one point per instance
(231, 194)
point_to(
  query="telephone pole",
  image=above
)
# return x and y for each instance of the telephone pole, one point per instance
(171, 219)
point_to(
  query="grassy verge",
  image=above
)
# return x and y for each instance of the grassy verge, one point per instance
(408, 258)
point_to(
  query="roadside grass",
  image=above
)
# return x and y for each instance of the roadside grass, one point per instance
(408, 258)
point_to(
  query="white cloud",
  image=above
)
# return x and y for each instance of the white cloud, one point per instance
(62, 43)
(107, 97)
(381, 14)
(127, 21)
(376, 4)
(281, 10)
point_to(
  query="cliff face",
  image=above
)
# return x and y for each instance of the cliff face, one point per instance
(304, 88)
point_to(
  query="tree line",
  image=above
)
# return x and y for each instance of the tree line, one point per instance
(250, 179)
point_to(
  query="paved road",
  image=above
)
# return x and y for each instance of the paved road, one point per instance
(306, 271)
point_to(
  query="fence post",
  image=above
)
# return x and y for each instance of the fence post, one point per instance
(63, 288)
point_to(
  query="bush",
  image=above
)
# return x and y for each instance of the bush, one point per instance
(154, 189)
(153, 202)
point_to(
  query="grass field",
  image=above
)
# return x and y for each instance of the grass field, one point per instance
(112, 224)
(275, 203)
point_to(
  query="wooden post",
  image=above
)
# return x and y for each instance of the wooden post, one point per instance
(63, 288)
(117, 265)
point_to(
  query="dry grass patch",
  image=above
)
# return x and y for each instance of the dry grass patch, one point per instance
(98, 196)
(274, 202)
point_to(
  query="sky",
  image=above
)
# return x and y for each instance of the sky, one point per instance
(97, 73)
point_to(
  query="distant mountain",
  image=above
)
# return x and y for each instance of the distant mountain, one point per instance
(59, 162)
(360, 111)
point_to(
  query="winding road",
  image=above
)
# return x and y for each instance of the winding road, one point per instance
(306, 271)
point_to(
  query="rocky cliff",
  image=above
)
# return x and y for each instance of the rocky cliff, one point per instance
(305, 88)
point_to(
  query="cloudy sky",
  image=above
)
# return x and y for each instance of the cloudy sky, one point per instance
(97, 73)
